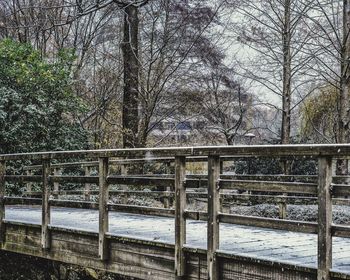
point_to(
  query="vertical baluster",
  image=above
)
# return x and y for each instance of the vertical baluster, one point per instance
(87, 186)
(324, 218)
(213, 215)
(56, 185)
(45, 234)
(29, 184)
(103, 208)
(166, 197)
(2, 201)
(180, 222)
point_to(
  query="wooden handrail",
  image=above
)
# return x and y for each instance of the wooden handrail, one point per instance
(314, 150)
(322, 185)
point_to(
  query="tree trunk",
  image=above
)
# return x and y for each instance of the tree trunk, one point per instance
(130, 117)
(286, 94)
(343, 102)
(287, 76)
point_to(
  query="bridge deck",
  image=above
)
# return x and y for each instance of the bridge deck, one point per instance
(274, 245)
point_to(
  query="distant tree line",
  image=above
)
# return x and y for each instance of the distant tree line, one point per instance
(127, 66)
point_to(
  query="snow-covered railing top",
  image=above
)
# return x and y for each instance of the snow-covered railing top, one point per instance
(337, 150)
(323, 187)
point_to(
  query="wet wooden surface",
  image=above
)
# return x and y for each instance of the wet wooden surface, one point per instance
(273, 245)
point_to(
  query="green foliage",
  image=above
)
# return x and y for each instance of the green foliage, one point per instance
(319, 115)
(37, 105)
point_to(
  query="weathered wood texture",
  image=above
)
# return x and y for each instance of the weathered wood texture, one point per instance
(314, 150)
(324, 218)
(213, 215)
(45, 233)
(180, 222)
(144, 259)
(152, 260)
(103, 208)
(2, 200)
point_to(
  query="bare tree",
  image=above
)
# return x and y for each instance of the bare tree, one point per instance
(273, 32)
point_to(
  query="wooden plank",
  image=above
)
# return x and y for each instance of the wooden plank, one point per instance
(22, 178)
(29, 185)
(87, 186)
(341, 231)
(103, 208)
(75, 179)
(10, 200)
(140, 181)
(142, 210)
(296, 226)
(324, 248)
(2, 201)
(213, 214)
(180, 222)
(269, 186)
(337, 150)
(56, 185)
(74, 204)
(45, 221)
(340, 190)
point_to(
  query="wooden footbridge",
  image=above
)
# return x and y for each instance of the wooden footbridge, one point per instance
(174, 242)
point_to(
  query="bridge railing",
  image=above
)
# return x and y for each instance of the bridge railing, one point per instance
(324, 188)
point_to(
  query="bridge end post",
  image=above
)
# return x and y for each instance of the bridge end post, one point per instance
(103, 208)
(324, 246)
(180, 221)
(2, 201)
(45, 217)
(213, 216)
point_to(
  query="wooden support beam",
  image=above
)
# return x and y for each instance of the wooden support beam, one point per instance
(282, 209)
(2, 201)
(213, 216)
(45, 234)
(103, 208)
(180, 221)
(29, 184)
(56, 185)
(167, 198)
(87, 186)
(324, 247)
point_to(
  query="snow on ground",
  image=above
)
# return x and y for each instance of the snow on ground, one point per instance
(341, 214)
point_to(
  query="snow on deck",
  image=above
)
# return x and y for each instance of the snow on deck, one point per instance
(274, 245)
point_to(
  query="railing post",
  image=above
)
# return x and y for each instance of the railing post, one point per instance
(282, 209)
(324, 247)
(2, 201)
(166, 198)
(103, 208)
(29, 184)
(87, 186)
(213, 213)
(180, 222)
(45, 234)
(56, 185)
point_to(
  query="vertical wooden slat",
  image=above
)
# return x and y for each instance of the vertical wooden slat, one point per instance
(180, 222)
(166, 201)
(45, 234)
(213, 212)
(221, 208)
(282, 209)
(56, 185)
(324, 218)
(2, 201)
(103, 208)
(29, 184)
(87, 186)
